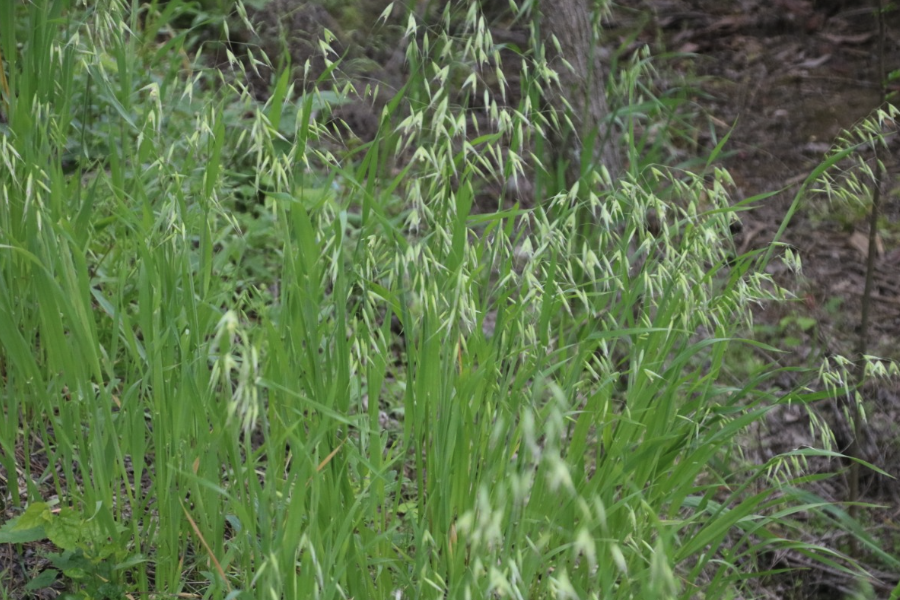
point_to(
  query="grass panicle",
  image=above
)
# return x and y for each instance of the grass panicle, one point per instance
(240, 360)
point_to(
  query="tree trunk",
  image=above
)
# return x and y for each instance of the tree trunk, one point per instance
(583, 85)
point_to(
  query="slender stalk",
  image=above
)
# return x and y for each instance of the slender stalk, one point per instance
(862, 347)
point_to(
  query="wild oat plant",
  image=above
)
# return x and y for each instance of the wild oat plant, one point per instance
(240, 360)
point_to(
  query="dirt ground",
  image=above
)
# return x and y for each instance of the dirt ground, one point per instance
(787, 77)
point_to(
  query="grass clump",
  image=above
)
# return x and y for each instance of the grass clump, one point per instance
(240, 362)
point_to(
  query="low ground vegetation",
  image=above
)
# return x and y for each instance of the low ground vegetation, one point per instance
(253, 348)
